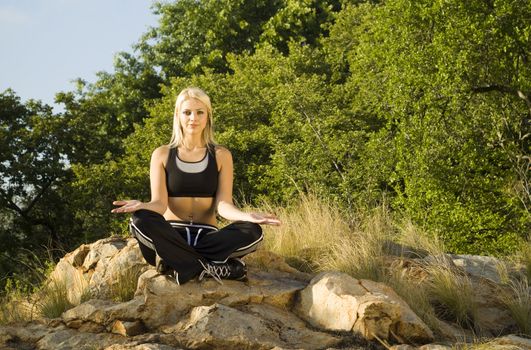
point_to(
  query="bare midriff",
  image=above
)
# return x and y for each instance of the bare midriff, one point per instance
(191, 209)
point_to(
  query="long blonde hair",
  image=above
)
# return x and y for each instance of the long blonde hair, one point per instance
(208, 132)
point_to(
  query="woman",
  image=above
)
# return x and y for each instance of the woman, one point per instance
(190, 179)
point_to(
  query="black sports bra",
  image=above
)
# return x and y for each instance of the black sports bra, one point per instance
(192, 179)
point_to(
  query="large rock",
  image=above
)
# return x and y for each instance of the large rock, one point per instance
(160, 301)
(92, 269)
(254, 327)
(487, 267)
(336, 301)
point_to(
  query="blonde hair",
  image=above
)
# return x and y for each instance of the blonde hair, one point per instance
(208, 132)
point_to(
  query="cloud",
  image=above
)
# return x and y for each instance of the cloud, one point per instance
(12, 16)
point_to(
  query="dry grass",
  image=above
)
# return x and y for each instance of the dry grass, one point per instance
(319, 237)
(452, 293)
(16, 306)
(52, 299)
(518, 302)
(124, 284)
(309, 230)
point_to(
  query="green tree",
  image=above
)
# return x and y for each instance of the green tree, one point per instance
(450, 81)
(193, 36)
(33, 173)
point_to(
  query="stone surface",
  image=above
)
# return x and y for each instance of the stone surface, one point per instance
(93, 268)
(141, 347)
(262, 313)
(127, 329)
(479, 266)
(336, 301)
(165, 302)
(510, 342)
(258, 327)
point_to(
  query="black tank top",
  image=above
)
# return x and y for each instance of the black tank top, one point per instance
(192, 179)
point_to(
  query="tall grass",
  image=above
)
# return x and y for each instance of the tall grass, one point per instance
(35, 294)
(124, 284)
(453, 294)
(52, 299)
(518, 302)
(309, 230)
(318, 236)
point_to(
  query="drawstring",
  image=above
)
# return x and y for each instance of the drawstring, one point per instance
(197, 237)
(189, 236)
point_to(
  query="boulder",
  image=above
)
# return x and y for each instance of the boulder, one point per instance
(92, 269)
(479, 266)
(335, 301)
(254, 327)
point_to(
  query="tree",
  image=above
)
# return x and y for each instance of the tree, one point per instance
(33, 172)
(450, 81)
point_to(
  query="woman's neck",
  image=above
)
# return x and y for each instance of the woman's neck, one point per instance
(193, 142)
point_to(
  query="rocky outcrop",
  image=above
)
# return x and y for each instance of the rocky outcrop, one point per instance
(277, 308)
(336, 301)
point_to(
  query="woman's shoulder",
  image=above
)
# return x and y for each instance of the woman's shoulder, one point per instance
(223, 155)
(161, 152)
(221, 151)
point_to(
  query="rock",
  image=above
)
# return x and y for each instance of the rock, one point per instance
(510, 342)
(479, 266)
(68, 339)
(92, 269)
(258, 327)
(336, 301)
(165, 302)
(454, 333)
(127, 329)
(262, 313)
(116, 258)
(23, 335)
(38, 336)
(141, 347)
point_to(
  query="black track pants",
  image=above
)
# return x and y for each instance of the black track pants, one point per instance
(182, 245)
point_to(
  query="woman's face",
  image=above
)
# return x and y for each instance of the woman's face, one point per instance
(193, 116)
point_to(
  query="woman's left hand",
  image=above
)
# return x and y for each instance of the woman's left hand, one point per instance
(266, 219)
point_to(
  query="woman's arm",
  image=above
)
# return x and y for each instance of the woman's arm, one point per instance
(159, 192)
(224, 203)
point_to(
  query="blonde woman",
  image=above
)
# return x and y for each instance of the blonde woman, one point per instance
(191, 179)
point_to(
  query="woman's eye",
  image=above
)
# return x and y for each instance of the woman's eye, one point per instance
(187, 112)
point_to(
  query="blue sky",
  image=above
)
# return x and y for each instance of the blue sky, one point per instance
(45, 44)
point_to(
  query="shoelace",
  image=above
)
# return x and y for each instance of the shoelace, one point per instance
(215, 271)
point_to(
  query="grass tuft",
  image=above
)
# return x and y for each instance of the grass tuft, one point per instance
(452, 293)
(518, 302)
(125, 283)
(52, 299)
(309, 229)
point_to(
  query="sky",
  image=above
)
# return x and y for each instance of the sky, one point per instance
(45, 44)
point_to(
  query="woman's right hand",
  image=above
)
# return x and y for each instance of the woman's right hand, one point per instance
(127, 206)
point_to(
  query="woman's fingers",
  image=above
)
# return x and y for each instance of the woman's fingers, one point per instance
(125, 206)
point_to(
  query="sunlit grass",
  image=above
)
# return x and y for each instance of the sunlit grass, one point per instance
(452, 293)
(124, 284)
(309, 230)
(518, 302)
(52, 299)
